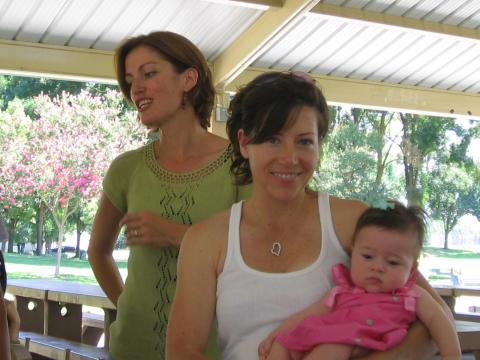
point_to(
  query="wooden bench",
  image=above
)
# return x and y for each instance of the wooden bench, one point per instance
(93, 326)
(60, 349)
(469, 336)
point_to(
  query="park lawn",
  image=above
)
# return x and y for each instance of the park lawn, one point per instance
(41, 267)
(79, 271)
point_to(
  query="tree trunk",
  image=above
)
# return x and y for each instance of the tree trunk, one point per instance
(59, 247)
(79, 235)
(445, 239)
(11, 233)
(40, 220)
(380, 159)
(409, 167)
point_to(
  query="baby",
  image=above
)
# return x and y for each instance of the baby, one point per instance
(374, 302)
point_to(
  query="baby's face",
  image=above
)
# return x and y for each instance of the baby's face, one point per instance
(382, 260)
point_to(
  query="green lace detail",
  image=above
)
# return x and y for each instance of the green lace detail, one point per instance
(183, 178)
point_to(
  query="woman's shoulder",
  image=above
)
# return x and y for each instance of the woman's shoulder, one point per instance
(345, 213)
(130, 155)
(213, 227)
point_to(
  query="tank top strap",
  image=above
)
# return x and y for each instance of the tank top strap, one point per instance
(233, 243)
(324, 211)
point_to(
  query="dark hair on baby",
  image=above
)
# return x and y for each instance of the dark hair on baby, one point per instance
(397, 217)
(265, 106)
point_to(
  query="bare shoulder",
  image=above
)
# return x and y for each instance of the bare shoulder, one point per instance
(345, 213)
(208, 238)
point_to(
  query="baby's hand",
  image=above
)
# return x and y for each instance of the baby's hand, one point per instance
(264, 348)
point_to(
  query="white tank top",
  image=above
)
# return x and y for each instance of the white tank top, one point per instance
(251, 303)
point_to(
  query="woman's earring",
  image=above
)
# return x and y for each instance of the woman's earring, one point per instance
(184, 100)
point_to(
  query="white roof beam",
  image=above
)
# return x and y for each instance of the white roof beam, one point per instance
(257, 39)
(398, 21)
(59, 62)
(381, 95)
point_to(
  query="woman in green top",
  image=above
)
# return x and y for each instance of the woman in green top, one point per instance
(160, 189)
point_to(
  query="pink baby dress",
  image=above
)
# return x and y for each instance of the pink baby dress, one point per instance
(376, 321)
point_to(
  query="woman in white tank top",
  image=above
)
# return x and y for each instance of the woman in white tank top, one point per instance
(265, 259)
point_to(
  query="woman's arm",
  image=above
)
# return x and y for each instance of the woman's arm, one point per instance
(4, 336)
(193, 308)
(439, 325)
(146, 228)
(100, 250)
(418, 344)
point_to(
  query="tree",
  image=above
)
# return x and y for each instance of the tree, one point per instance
(448, 190)
(422, 135)
(75, 139)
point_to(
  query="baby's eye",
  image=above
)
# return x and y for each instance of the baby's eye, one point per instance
(393, 263)
(367, 256)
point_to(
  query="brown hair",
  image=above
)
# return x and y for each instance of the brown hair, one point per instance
(396, 217)
(182, 54)
(264, 107)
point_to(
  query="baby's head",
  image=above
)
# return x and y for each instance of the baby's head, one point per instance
(386, 245)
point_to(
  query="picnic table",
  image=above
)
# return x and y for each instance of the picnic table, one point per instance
(54, 307)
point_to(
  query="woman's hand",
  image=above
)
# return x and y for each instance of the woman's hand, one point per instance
(147, 228)
(264, 347)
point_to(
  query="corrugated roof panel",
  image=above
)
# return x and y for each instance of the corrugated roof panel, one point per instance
(464, 68)
(444, 10)
(39, 20)
(70, 18)
(446, 65)
(379, 6)
(355, 40)
(462, 13)
(223, 25)
(15, 15)
(290, 42)
(160, 16)
(438, 56)
(473, 21)
(125, 24)
(370, 46)
(471, 79)
(452, 71)
(423, 8)
(409, 59)
(299, 58)
(101, 19)
(390, 59)
(400, 7)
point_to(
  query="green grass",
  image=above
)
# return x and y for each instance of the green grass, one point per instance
(72, 270)
(78, 279)
(51, 260)
(451, 253)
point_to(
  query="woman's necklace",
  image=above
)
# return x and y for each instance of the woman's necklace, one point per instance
(276, 248)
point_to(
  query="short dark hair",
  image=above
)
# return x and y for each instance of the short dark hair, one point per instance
(182, 54)
(264, 107)
(396, 217)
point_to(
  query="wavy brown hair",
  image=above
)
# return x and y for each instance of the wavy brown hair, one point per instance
(182, 54)
(264, 107)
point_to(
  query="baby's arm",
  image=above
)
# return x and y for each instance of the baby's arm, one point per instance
(317, 308)
(439, 325)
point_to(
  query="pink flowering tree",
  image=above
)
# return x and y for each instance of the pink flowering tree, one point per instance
(15, 132)
(72, 141)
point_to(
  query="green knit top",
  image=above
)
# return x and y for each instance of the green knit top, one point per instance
(134, 182)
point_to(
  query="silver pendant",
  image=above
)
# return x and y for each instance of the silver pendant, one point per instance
(276, 248)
